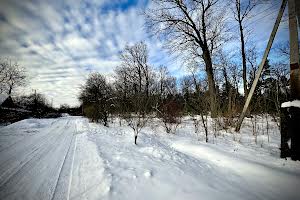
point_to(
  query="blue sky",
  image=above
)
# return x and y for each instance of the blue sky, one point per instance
(61, 42)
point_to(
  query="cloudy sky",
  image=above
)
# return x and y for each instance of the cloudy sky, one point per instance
(60, 42)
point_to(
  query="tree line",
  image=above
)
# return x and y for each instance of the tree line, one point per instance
(140, 91)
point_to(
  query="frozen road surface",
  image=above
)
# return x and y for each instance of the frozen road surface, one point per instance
(48, 159)
(70, 158)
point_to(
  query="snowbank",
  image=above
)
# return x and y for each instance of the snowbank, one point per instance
(295, 103)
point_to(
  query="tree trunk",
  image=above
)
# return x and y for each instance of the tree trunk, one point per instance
(243, 60)
(140, 80)
(147, 86)
(229, 109)
(211, 83)
(204, 123)
(10, 90)
(135, 138)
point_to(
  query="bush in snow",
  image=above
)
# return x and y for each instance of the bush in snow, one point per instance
(170, 112)
(96, 97)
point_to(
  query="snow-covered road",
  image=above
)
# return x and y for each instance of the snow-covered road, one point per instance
(47, 159)
(70, 158)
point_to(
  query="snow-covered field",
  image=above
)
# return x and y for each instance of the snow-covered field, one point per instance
(70, 158)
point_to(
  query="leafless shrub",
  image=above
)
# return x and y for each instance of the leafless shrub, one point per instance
(137, 122)
(196, 123)
(255, 127)
(170, 113)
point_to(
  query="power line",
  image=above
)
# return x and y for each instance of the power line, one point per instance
(235, 26)
(275, 5)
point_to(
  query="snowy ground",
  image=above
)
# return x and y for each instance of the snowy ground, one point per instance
(70, 158)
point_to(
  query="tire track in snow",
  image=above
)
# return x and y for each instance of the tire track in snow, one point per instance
(71, 171)
(60, 170)
(13, 165)
(23, 136)
(49, 152)
(30, 142)
(63, 183)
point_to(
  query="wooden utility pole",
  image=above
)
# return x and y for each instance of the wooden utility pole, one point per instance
(298, 11)
(294, 52)
(294, 111)
(261, 66)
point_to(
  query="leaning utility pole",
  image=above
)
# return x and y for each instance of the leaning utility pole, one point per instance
(261, 66)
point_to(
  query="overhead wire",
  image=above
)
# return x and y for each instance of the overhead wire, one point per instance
(266, 15)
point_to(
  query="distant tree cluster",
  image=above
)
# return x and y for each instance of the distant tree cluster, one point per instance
(36, 103)
(26, 106)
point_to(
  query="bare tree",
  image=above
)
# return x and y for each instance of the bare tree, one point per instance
(283, 49)
(3, 76)
(134, 78)
(136, 120)
(11, 76)
(194, 27)
(135, 63)
(196, 99)
(241, 11)
(166, 82)
(123, 90)
(277, 88)
(229, 92)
